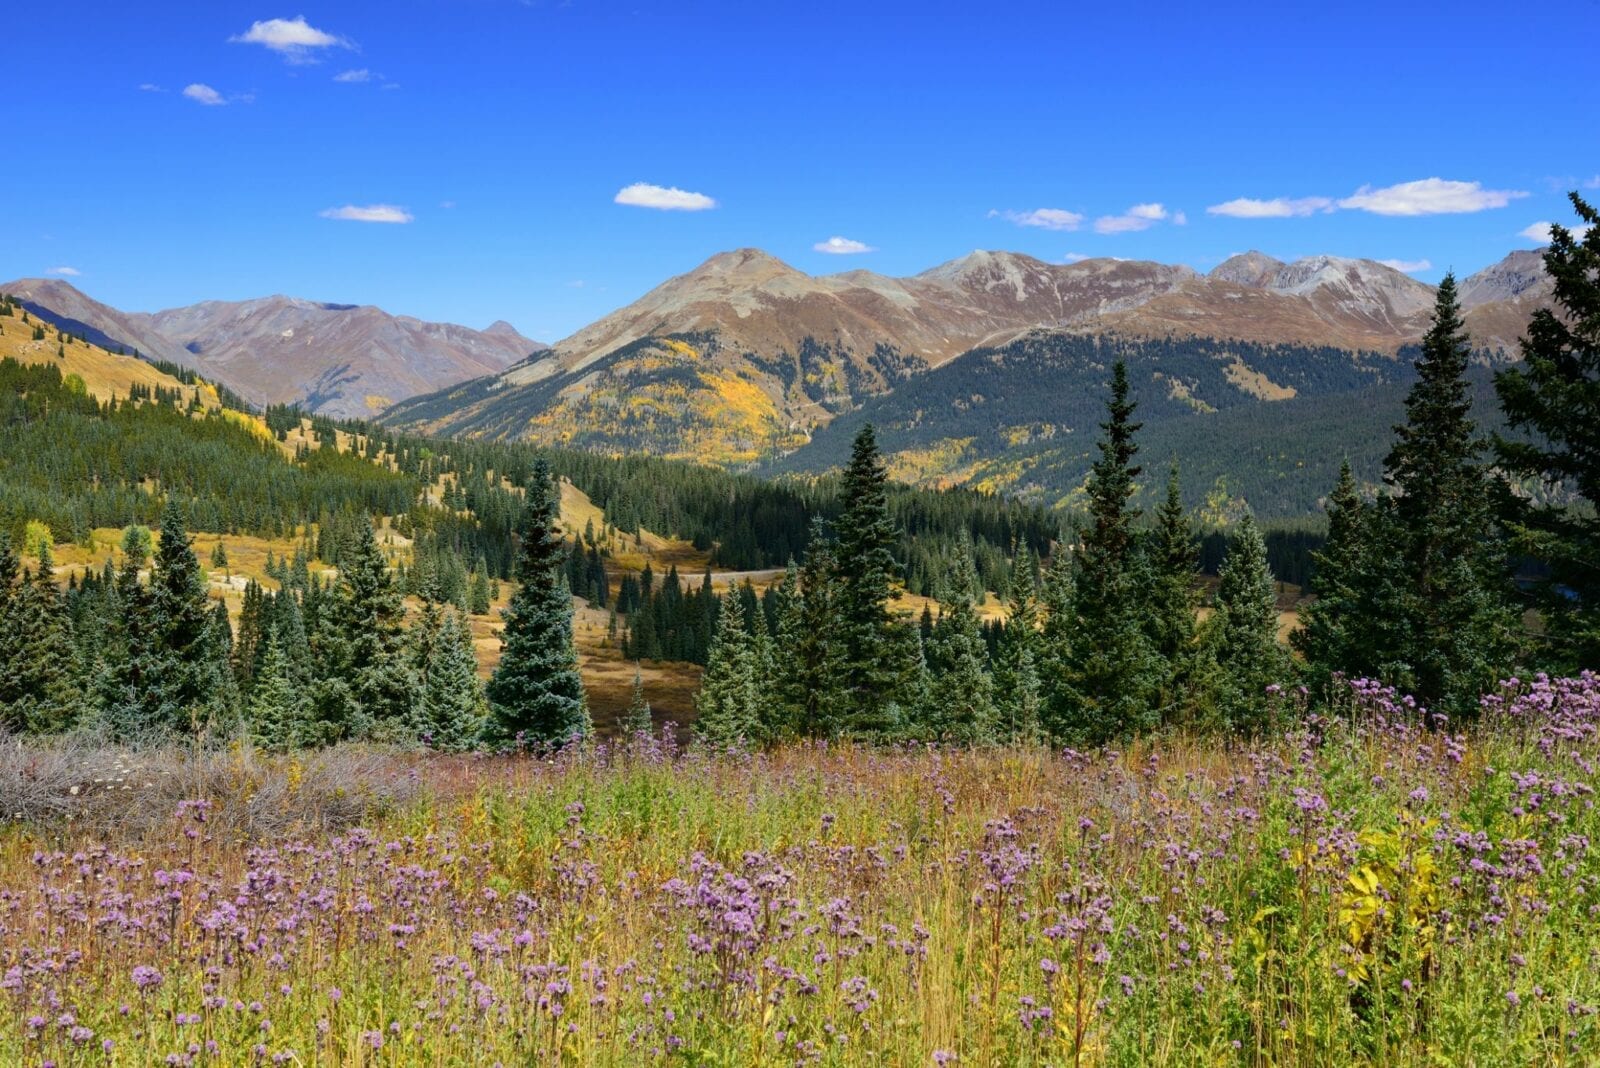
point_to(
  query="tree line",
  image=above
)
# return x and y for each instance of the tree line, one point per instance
(1416, 587)
(140, 650)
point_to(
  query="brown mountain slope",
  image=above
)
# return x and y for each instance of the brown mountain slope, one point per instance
(338, 359)
(342, 360)
(1501, 298)
(63, 304)
(105, 374)
(745, 355)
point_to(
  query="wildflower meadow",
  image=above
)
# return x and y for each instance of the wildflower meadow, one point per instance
(1375, 887)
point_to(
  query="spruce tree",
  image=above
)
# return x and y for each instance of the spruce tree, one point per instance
(536, 694)
(1455, 606)
(189, 678)
(727, 706)
(277, 710)
(867, 536)
(1550, 402)
(784, 710)
(1017, 691)
(1241, 637)
(130, 696)
(454, 709)
(1174, 562)
(478, 594)
(39, 690)
(813, 684)
(1108, 671)
(636, 719)
(1336, 632)
(368, 642)
(960, 703)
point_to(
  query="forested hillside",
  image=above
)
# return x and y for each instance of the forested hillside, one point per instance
(1253, 425)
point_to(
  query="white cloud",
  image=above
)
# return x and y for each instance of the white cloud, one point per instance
(663, 198)
(842, 246)
(64, 272)
(1429, 196)
(1138, 217)
(1407, 266)
(370, 213)
(1074, 257)
(201, 93)
(1276, 208)
(294, 39)
(1540, 232)
(353, 76)
(1043, 218)
(150, 87)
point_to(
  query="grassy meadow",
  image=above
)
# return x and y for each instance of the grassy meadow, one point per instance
(1368, 889)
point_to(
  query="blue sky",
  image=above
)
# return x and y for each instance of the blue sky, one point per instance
(214, 150)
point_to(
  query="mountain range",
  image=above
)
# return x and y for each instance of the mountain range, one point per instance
(978, 371)
(745, 358)
(344, 360)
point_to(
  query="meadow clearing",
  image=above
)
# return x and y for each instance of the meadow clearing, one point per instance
(1368, 888)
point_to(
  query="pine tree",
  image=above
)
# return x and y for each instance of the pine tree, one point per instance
(727, 706)
(38, 678)
(190, 677)
(785, 707)
(636, 720)
(867, 536)
(960, 706)
(1241, 636)
(813, 684)
(1174, 562)
(454, 709)
(130, 697)
(1108, 671)
(1455, 605)
(536, 694)
(478, 596)
(277, 710)
(1336, 632)
(1018, 694)
(368, 643)
(1550, 402)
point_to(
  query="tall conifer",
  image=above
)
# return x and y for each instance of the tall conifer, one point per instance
(536, 693)
(1550, 401)
(1108, 672)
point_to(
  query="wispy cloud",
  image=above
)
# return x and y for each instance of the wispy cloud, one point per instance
(150, 87)
(369, 213)
(1592, 183)
(296, 40)
(1429, 196)
(1043, 218)
(353, 76)
(1276, 208)
(1138, 217)
(1407, 266)
(842, 246)
(64, 272)
(201, 93)
(1074, 257)
(1540, 232)
(663, 198)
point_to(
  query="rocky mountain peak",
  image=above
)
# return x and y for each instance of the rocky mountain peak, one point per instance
(1251, 269)
(1519, 275)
